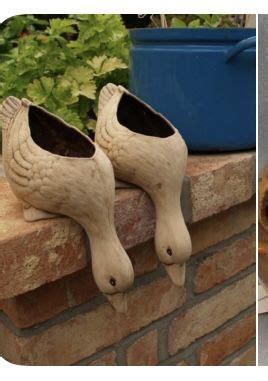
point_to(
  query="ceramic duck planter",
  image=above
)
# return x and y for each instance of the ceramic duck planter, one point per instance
(53, 168)
(146, 150)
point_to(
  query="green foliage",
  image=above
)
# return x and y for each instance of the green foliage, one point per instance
(176, 22)
(205, 21)
(62, 64)
(17, 27)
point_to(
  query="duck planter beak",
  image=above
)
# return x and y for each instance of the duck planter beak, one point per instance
(146, 150)
(176, 272)
(54, 169)
(118, 301)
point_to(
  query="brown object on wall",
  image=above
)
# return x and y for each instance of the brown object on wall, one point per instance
(263, 227)
(263, 200)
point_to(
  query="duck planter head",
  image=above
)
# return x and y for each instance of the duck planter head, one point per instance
(54, 168)
(146, 150)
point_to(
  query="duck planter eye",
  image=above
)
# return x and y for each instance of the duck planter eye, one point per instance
(146, 150)
(53, 168)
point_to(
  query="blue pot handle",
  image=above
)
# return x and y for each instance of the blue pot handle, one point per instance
(239, 47)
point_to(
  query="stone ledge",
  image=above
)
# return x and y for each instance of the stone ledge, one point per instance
(32, 254)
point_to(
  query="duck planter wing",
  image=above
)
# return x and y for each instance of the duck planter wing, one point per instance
(146, 150)
(53, 168)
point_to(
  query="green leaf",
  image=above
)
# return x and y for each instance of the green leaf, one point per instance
(84, 105)
(205, 18)
(177, 23)
(70, 117)
(60, 26)
(215, 21)
(91, 124)
(88, 90)
(63, 94)
(80, 74)
(81, 81)
(102, 64)
(40, 90)
(194, 24)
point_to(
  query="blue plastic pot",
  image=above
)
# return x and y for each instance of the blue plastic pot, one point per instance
(202, 80)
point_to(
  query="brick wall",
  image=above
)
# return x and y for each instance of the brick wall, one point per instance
(52, 313)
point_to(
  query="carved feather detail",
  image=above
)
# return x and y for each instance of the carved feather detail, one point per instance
(8, 110)
(106, 94)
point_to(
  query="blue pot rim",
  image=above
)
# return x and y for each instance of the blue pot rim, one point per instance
(190, 34)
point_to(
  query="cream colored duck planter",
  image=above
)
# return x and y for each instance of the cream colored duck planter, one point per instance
(53, 168)
(146, 150)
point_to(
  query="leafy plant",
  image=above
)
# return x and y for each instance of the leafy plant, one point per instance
(207, 21)
(62, 64)
(198, 21)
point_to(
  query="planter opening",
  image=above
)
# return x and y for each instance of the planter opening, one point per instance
(52, 135)
(134, 115)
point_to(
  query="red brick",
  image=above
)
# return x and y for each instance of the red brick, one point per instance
(49, 300)
(143, 258)
(247, 358)
(226, 262)
(231, 339)
(144, 351)
(108, 359)
(222, 226)
(88, 333)
(263, 268)
(134, 217)
(211, 313)
(32, 254)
